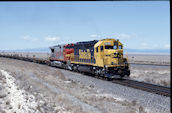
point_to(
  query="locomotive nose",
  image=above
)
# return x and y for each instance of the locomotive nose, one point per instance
(116, 58)
(115, 55)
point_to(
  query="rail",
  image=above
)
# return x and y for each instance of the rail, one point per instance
(157, 89)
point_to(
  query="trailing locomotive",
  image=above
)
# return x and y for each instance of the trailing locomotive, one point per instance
(99, 57)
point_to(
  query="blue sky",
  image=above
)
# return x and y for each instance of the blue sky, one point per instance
(138, 25)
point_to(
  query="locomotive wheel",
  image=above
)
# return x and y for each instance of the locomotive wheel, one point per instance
(119, 71)
(75, 68)
(128, 72)
(96, 76)
(106, 78)
(49, 64)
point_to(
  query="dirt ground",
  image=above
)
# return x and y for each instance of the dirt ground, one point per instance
(151, 68)
(149, 59)
(159, 75)
(32, 88)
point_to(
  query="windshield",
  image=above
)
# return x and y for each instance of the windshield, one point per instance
(111, 47)
(108, 47)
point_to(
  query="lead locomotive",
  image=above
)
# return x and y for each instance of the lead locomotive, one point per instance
(100, 57)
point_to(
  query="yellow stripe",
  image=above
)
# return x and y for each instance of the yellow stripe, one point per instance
(82, 63)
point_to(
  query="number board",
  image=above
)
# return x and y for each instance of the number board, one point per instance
(107, 43)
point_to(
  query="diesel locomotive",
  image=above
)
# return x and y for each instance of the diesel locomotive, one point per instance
(100, 57)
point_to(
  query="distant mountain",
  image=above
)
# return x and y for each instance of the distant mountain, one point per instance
(148, 51)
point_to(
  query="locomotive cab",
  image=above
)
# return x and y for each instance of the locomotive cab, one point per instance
(109, 55)
(113, 54)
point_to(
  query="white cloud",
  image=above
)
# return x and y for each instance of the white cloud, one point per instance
(123, 36)
(95, 36)
(29, 38)
(52, 39)
(116, 36)
(167, 46)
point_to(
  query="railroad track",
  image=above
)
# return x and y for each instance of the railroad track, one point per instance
(161, 90)
(157, 89)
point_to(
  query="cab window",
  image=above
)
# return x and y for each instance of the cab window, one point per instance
(120, 46)
(115, 47)
(108, 47)
(101, 48)
(97, 49)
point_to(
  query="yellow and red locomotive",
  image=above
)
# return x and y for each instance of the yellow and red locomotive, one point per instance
(99, 57)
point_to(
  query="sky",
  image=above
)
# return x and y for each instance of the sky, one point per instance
(137, 24)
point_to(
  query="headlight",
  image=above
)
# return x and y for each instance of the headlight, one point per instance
(106, 67)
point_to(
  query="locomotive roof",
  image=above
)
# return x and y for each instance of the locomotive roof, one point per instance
(55, 46)
(97, 44)
(86, 42)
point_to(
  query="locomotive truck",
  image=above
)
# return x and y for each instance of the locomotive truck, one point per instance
(100, 57)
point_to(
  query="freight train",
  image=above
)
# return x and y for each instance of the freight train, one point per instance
(101, 58)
